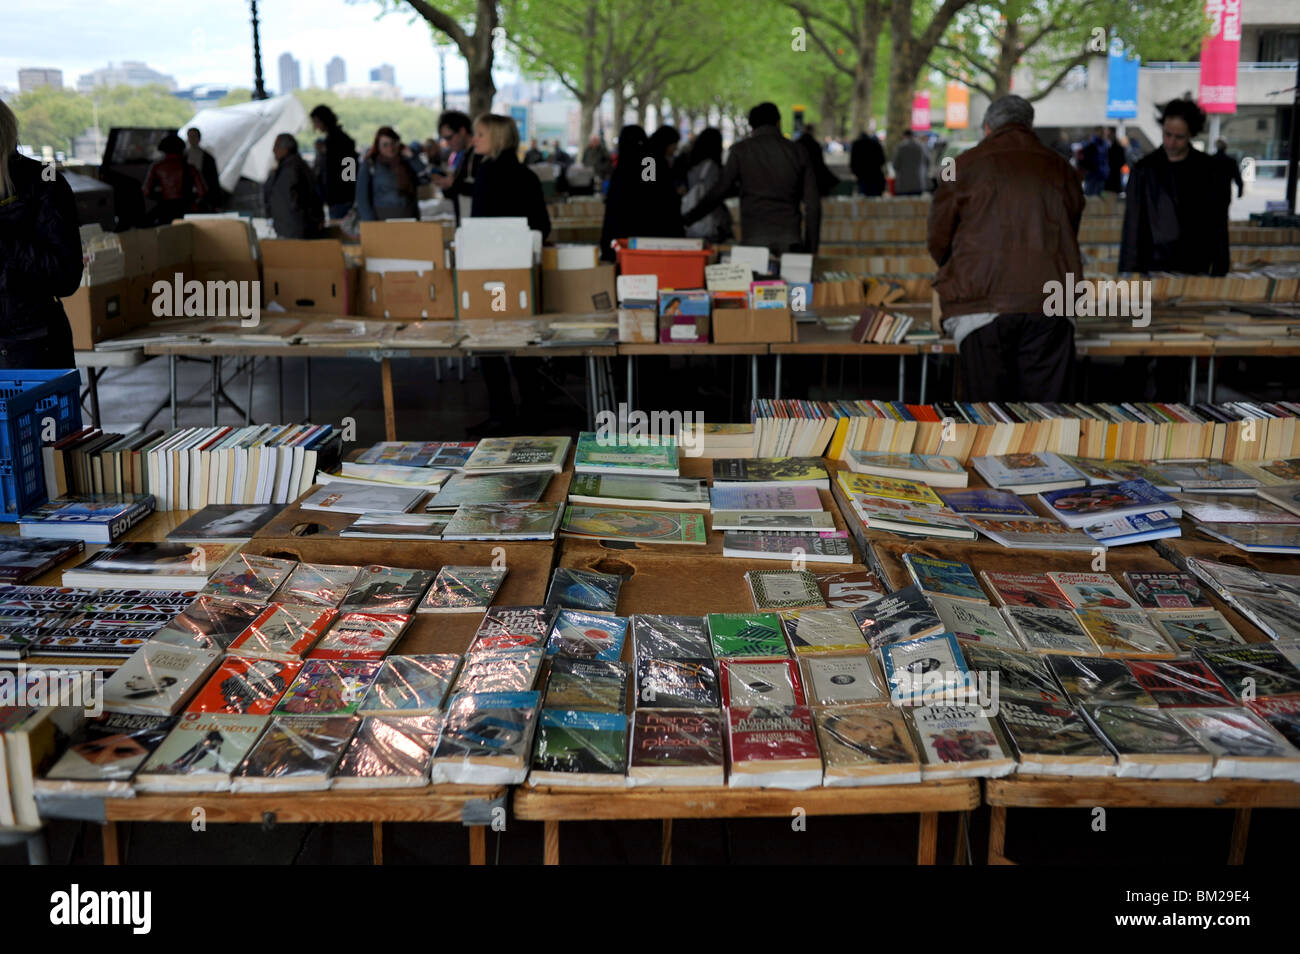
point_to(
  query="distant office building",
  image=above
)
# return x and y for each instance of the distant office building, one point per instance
(368, 91)
(290, 74)
(126, 73)
(34, 77)
(384, 74)
(336, 72)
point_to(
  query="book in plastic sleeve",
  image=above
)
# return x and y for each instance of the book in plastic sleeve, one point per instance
(200, 753)
(410, 685)
(584, 590)
(513, 627)
(105, 753)
(317, 584)
(1050, 630)
(625, 490)
(657, 636)
(822, 631)
(897, 617)
(1150, 743)
(283, 631)
(328, 687)
(592, 685)
(248, 577)
(1085, 506)
(386, 589)
(518, 453)
(1255, 537)
(747, 635)
(389, 752)
(638, 526)
(866, 745)
(850, 589)
(295, 754)
(783, 590)
(847, 680)
(1191, 630)
(1021, 675)
(760, 683)
(580, 748)
(748, 499)
(587, 635)
(826, 547)
(1126, 633)
(157, 680)
(1252, 594)
(676, 747)
(1026, 589)
(1205, 476)
(1252, 671)
(938, 577)
(770, 472)
(976, 623)
(677, 684)
(245, 686)
(1092, 591)
(1234, 508)
(772, 748)
(1032, 533)
(503, 521)
(1243, 744)
(208, 623)
(983, 502)
(1092, 679)
(1282, 713)
(1052, 738)
(958, 741)
(917, 667)
(463, 589)
(361, 636)
(499, 670)
(1028, 473)
(497, 488)
(1166, 591)
(1180, 683)
(487, 739)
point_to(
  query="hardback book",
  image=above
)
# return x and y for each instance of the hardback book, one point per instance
(658, 636)
(624, 454)
(1256, 537)
(1093, 679)
(625, 490)
(1053, 738)
(938, 577)
(918, 668)
(328, 687)
(1166, 591)
(1150, 743)
(1028, 473)
(102, 640)
(1190, 630)
(573, 588)
(741, 497)
(317, 584)
(976, 623)
(157, 680)
(410, 685)
(1033, 534)
(638, 526)
(767, 520)
(244, 686)
(586, 635)
(677, 684)
(22, 560)
(866, 745)
(463, 589)
(933, 469)
(849, 589)
(495, 488)
(104, 754)
(150, 566)
(398, 526)
(758, 472)
(518, 453)
(93, 518)
(1025, 589)
(594, 685)
(1180, 683)
(815, 631)
(1252, 671)
(440, 454)
(896, 617)
(677, 747)
(1234, 508)
(846, 680)
(1126, 633)
(361, 636)
(283, 631)
(1287, 496)
(225, 523)
(341, 497)
(1049, 630)
(958, 741)
(987, 503)
(513, 627)
(1243, 744)
(1086, 591)
(582, 748)
(1100, 471)
(1020, 675)
(763, 683)
(503, 521)
(389, 752)
(487, 738)
(499, 670)
(784, 590)
(247, 576)
(1282, 713)
(386, 589)
(887, 488)
(200, 753)
(295, 754)
(747, 635)
(208, 623)
(777, 545)
(1085, 506)
(1206, 476)
(772, 748)
(1134, 528)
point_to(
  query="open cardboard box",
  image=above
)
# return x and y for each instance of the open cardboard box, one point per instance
(408, 273)
(578, 291)
(496, 293)
(753, 325)
(223, 249)
(306, 275)
(97, 313)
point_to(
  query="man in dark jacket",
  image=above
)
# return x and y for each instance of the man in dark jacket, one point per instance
(290, 193)
(826, 180)
(1002, 231)
(773, 176)
(1176, 212)
(867, 162)
(1228, 168)
(214, 199)
(457, 133)
(336, 163)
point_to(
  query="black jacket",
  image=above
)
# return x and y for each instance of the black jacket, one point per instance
(40, 251)
(826, 180)
(867, 160)
(504, 187)
(291, 200)
(1169, 231)
(334, 186)
(637, 207)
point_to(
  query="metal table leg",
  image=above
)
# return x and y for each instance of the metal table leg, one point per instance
(248, 408)
(902, 376)
(216, 386)
(171, 375)
(306, 390)
(777, 371)
(753, 377)
(1209, 381)
(1191, 387)
(925, 369)
(94, 375)
(279, 390)
(631, 403)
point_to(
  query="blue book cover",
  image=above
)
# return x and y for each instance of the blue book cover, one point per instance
(1134, 528)
(944, 577)
(587, 635)
(913, 666)
(1081, 506)
(986, 503)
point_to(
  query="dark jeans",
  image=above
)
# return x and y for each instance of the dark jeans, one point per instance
(1019, 357)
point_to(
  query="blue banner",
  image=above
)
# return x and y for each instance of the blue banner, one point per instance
(1122, 83)
(520, 115)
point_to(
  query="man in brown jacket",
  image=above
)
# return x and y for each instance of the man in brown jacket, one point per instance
(1002, 228)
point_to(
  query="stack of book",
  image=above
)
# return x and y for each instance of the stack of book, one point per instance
(771, 509)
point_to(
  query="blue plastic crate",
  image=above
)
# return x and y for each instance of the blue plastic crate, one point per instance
(26, 399)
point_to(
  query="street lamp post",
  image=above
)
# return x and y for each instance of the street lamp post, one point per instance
(259, 90)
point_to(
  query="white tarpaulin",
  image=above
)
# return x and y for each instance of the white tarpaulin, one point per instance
(240, 137)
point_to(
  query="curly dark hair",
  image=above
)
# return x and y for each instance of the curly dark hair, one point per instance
(1187, 111)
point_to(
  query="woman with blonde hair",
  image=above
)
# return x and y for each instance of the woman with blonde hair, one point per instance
(40, 257)
(503, 186)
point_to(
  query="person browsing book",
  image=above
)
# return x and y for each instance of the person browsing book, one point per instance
(503, 186)
(387, 180)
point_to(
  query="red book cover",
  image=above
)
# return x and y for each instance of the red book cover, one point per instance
(771, 736)
(1027, 589)
(245, 686)
(1282, 713)
(1180, 683)
(283, 632)
(361, 636)
(771, 683)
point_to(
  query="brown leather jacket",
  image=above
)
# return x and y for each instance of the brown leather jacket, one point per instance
(1006, 224)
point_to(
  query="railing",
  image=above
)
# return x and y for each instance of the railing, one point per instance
(1241, 67)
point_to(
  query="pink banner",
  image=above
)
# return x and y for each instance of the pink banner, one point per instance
(1219, 52)
(921, 110)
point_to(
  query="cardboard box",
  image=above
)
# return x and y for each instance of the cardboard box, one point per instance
(224, 249)
(753, 326)
(95, 313)
(407, 273)
(578, 292)
(140, 250)
(638, 324)
(570, 257)
(306, 275)
(137, 301)
(496, 293)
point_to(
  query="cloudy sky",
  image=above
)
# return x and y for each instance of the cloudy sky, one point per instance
(210, 41)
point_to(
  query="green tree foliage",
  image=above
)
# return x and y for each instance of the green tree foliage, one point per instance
(54, 117)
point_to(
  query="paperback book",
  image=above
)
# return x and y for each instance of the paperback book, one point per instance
(342, 497)
(593, 685)
(749, 499)
(157, 680)
(573, 588)
(208, 623)
(487, 739)
(1086, 591)
(225, 523)
(361, 636)
(1020, 675)
(677, 747)
(1092, 679)
(759, 472)
(248, 577)
(897, 617)
(975, 623)
(933, 469)
(1249, 672)
(283, 631)
(622, 490)
(761, 521)
(1191, 630)
(513, 627)
(499, 670)
(586, 635)
(621, 454)
(1150, 743)
(1165, 591)
(1180, 683)
(1134, 528)
(503, 521)
(518, 453)
(242, 686)
(105, 753)
(22, 560)
(847, 680)
(1028, 473)
(822, 631)
(93, 518)
(1025, 589)
(866, 745)
(1051, 738)
(783, 590)
(386, 589)
(747, 635)
(317, 584)
(328, 687)
(920, 667)
(776, 545)
(1126, 633)
(295, 754)
(773, 748)
(638, 526)
(1049, 630)
(849, 589)
(149, 566)
(1243, 744)
(677, 684)
(958, 741)
(1206, 476)
(410, 685)
(658, 636)
(1086, 506)
(389, 752)
(938, 577)
(200, 753)
(416, 454)
(763, 683)
(991, 504)
(462, 589)
(1033, 534)
(580, 748)
(496, 488)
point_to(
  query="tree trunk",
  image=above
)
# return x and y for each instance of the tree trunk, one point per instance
(902, 77)
(479, 58)
(1008, 57)
(620, 105)
(585, 122)
(864, 72)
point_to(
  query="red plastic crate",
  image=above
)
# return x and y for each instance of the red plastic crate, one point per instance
(675, 269)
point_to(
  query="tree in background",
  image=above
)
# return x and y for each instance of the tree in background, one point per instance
(452, 18)
(913, 35)
(55, 117)
(851, 27)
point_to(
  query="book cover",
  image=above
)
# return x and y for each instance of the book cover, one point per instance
(752, 635)
(1033, 534)
(504, 487)
(1093, 679)
(108, 750)
(932, 469)
(317, 584)
(808, 471)
(958, 741)
(201, 752)
(624, 454)
(462, 589)
(283, 631)
(1026, 472)
(417, 454)
(386, 589)
(487, 738)
(389, 752)
(1180, 683)
(328, 687)
(59, 639)
(150, 565)
(156, 680)
(91, 518)
(398, 526)
(1051, 738)
(1026, 589)
(1282, 713)
(846, 680)
(1196, 629)
(1126, 633)
(574, 745)
(572, 588)
(896, 516)
(340, 497)
(1234, 508)
(410, 685)
(1085, 506)
(997, 504)
(677, 747)
(1150, 743)
(763, 683)
(1165, 590)
(1050, 630)
(899, 616)
(750, 499)
(850, 589)
(503, 521)
(295, 753)
(866, 745)
(519, 453)
(822, 631)
(919, 666)
(25, 559)
(1256, 537)
(1117, 471)
(908, 491)
(586, 635)
(586, 684)
(208, 623)
(1243, 744)
(225, 523)
(361, 636)
(762, 521)
(1020, 675)
(941, 577)
(774, 748)
(246, 576)
(640, 526)
(778, 545)
(499, 670)
(1249, 672)
(976, 623)
(1086, 591)
(783, 590)
(659, 636)
(677, 684)
(633, 491)
(242, 686)
(1205, 475)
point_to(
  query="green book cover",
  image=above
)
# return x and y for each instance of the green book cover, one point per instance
(754, 635)
(581, 742)
(643, 526)
(620, 453)
(675, 490)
